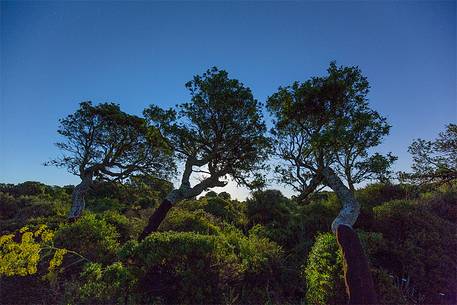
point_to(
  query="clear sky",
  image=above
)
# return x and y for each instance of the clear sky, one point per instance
(57, 54)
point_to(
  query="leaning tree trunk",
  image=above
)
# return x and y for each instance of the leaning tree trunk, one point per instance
(358, 280)
(77, 197)
(357, 276)
(159, 214)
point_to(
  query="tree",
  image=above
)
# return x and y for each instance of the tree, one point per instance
(326, 122)
(434, 161)
(323, 128)
(220, 133)
(102, 142)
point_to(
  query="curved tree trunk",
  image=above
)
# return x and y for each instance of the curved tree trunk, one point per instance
(357, 276)
(77, 197)
(351, 208)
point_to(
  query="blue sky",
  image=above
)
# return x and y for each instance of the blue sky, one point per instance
(56, 54)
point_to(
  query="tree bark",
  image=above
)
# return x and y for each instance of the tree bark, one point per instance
(351, 208)
(313, 184)
(156, 218)
(77, 197)
(358, 280)
(357, 276)
(159, 214)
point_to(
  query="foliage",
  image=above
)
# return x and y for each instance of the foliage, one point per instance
(434, 161)
(105, 285)
(91, 236)
(214, 249)
(170, 263)
(21, 258)
(221, 128)
(420, 246)
(110, 143)
(189, 221)
(324, 271)
(326, 121)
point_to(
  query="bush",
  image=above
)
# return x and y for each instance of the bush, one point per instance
(189, 221)
(104, 285)
(265, 207)
(421, 247)
(442, 204)
(89, 236)
(324, 271)
(127, 227)
(169, 264)
(223, 209)
(8, 206)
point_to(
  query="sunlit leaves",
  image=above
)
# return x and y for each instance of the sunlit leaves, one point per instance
(22, 257)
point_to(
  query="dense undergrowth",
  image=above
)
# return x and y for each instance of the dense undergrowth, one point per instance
(266, 250)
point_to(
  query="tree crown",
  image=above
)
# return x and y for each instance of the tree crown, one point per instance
(221, 128)
(111, 144)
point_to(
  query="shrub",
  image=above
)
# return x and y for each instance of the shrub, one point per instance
(324, 271)
(8, 206)
(376, 194)
(189, 221)
(421, 247)
(265, 207)
(89, 236)
(127, 227)
(442, 204)
(104, 285)
(223, 209)
(169, 264)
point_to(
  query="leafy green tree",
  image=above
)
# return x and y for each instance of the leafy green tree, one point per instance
(323, 129)
(102, 142)
(220, 133)
(327, 121)
(434, 161)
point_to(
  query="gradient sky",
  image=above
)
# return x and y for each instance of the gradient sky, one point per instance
(57, 54)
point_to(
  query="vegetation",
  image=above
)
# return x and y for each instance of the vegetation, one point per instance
(139, 241)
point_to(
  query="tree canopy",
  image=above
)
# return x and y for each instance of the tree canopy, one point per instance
(220, 131)
(327, 122)
(106, 143)
(219, 134)
(434, 161)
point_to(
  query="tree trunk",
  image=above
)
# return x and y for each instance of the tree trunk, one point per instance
(77, 197)
(357, 276)
(351, 208)
(159, 214)
(313, 184)
(359, 284)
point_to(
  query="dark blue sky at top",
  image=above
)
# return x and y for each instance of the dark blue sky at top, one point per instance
(56, 54)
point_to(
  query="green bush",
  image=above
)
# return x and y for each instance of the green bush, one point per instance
(442, 204)
(127, 227)
(105, 285)
(421, 247)
(189, 221)
(89, 236)
(8, 206)
(189, 268)
(265, 207)
(324, 271)
(180, 267)
(376, 194)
